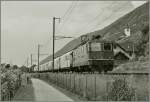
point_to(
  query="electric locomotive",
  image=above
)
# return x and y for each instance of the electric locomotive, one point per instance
(94, 55)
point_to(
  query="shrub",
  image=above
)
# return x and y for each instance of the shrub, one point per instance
(120, 91)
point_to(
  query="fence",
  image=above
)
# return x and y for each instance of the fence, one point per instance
(103, 87)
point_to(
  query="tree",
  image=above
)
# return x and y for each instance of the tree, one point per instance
(24, 69)
(7, 66)
(15, 66)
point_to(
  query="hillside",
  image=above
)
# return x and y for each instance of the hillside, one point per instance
(137, 20)
(141, 66)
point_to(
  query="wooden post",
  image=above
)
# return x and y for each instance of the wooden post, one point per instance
(70, 80)
(38, 56)
(95, 88)
(74, 84)
(86, 86)
(79, 85)
(66, 80)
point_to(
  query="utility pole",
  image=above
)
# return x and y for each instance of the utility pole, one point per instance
(54, 18)
(31, 63)
(38, 55)
(27, 62)
(31, 59)
(0, 67)
(133, 54)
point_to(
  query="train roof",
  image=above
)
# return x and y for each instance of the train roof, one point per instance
(68, 47)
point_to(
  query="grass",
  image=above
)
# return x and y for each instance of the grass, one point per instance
(135, 66)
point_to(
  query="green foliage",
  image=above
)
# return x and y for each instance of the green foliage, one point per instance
(32, 68)
(11, 76)
(24, 69)
(142, 46)
(145, 29)
(15, 66)
(135, 66)
(7, 66)
(120, 91)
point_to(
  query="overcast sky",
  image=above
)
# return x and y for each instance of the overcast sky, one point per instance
(25, 24)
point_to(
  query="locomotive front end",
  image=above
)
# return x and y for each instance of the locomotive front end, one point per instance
(101, 56)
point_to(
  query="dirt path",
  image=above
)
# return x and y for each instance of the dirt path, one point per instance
(40, 91)
(45, 92)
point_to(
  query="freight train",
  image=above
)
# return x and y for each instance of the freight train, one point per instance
(95, 55)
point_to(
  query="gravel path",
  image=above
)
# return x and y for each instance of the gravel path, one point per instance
(45, 92)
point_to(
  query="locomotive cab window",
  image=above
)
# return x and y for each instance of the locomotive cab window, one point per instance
(107, 46)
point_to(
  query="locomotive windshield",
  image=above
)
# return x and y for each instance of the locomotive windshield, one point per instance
(107, 46)
(95, 46)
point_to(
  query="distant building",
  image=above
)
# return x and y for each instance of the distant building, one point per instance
(127, 32)
(124, 52)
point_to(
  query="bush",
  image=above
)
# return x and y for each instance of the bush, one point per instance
(120, 91)
(10, 74)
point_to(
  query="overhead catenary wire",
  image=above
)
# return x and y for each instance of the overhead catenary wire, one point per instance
(64, 18)
(68, 10)
(94, 19)
(65, 14)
